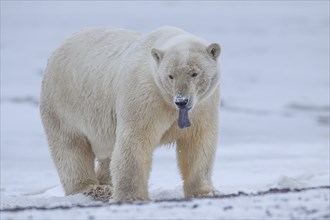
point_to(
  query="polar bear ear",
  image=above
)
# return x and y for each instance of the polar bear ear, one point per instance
(214, 50)
(157, 54)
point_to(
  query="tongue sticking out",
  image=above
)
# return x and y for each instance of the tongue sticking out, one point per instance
(183, 118)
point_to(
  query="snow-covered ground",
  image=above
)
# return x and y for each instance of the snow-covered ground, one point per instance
(274, 119)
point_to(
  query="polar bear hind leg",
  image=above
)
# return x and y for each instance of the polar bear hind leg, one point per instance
(74, 159)
(103, 172)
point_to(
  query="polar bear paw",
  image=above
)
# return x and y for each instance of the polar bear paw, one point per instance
(99, 192)
(206, 191)
(214, 193)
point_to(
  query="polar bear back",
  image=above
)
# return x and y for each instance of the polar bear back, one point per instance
(106, 50)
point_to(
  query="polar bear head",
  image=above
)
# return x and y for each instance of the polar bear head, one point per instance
(186, 70)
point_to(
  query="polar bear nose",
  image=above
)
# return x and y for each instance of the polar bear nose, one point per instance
(181, 101)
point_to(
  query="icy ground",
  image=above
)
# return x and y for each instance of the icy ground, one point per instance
(310, 204)
(274, 120)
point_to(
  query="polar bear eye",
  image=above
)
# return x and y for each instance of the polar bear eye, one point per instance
(171, 76)
(194, 74)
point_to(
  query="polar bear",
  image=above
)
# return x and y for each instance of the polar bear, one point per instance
(114, 95)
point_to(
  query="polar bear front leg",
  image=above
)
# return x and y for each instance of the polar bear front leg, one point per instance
(195, 156)
(130, 167)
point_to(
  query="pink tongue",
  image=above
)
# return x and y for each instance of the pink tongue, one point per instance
(183, 118)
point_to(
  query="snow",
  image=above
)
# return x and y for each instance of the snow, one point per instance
(271, 206)
(274, 118)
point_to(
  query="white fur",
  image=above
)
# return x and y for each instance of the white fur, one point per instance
(106, 97)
